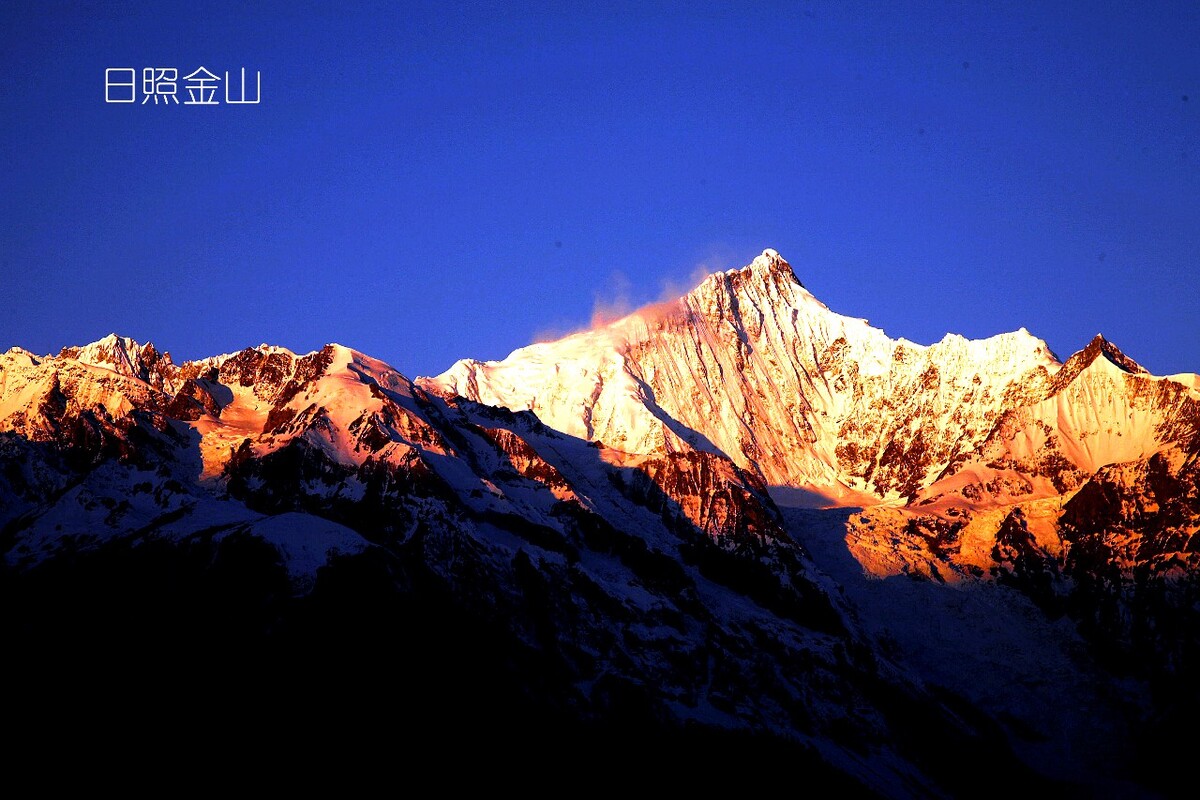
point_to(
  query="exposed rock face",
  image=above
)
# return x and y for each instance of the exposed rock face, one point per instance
(598, 514)
(979, 460)
(124, 356)
(752, 365)
(1133, 551)
(606, 583)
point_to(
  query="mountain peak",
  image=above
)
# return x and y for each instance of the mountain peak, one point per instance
(765, 286)
(769, 257)
(768, 264)
(125, 356)
(1098, 347)
(109, 343)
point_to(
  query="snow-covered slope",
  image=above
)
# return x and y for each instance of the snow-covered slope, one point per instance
(982, 462)
(35, 392)
(751, 365)
(127, 357)
(599, 510)
(665, 577)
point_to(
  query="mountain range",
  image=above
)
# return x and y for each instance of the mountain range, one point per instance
(736, 523)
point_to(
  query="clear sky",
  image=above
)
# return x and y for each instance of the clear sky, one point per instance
(428, 181)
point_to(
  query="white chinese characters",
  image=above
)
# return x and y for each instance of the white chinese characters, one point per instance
(115, 88)
(160, 85)
(199, 90)
(257, 89)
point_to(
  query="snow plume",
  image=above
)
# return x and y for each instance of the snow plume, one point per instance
(608, 306)
(614, 304)
(619, 300)
(605, 311)
(555, 331)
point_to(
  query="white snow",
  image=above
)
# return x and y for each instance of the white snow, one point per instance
(992, 646)
(307, 543)
(750, 364)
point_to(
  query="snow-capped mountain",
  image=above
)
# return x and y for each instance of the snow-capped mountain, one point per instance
(597, 579)
(124, 356)
(591, 528)
(977, 461)
(751, 365)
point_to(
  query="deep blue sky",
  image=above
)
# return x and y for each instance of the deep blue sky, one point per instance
(425, 182)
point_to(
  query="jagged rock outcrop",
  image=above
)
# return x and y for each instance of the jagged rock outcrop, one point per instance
(649, 592)
(751, 365)
(600, 514)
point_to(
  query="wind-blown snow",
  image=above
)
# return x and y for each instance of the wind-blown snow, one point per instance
(825, 408)
(767, 373)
